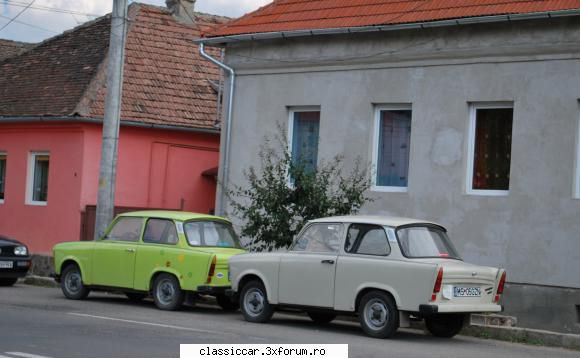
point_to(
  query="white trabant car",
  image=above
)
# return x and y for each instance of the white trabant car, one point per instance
(385, 270)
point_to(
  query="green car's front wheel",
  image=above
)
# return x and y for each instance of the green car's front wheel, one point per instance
(167, 293)
(71, 283)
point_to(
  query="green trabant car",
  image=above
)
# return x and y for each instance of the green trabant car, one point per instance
(167, 254)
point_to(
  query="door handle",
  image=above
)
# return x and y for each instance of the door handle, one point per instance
(130, 250)
(330, 262)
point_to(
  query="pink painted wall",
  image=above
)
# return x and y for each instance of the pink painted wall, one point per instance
(42, 226)
(156, 169)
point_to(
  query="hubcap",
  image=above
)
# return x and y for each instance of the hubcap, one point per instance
(254, 302)
(376, 314)
(165, 292)
(73, 282)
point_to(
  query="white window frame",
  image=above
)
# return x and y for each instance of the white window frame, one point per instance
(577, 171)
(473, 107)
(30, 178)
(291, 112)
(4, 154)
(375, 148)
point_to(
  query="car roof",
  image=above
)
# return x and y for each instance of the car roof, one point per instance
(392, 221)
(173, 215)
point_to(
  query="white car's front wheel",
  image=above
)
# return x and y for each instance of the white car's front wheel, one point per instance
(254, 303)
(378, 314)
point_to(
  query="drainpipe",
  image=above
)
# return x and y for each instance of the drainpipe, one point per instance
(226, 164)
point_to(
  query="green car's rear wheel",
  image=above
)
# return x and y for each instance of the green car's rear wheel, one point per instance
(167, 293)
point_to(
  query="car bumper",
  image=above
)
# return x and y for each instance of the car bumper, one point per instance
(212, 290)
(20, 266)
(426, 310)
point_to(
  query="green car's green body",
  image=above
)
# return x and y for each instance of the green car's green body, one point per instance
(132, 261)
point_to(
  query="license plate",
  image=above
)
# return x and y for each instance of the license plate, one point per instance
(6, 264)
(466, 291)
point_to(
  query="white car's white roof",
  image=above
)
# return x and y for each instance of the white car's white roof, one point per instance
(392, 221)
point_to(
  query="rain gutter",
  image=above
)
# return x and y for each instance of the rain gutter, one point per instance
(216, 41)
(226, 145)
(53, 119)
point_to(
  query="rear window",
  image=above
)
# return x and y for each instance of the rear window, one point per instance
(210, 233)
(425, 241)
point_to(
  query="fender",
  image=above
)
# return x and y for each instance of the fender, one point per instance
(167, 270)
(272, 294)
(377, 286)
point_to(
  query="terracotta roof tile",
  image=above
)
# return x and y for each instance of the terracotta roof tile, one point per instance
(288, 15)
(166, 81)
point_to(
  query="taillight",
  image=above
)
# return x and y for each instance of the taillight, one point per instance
(437, 286)
(211, 269)
(500, 286)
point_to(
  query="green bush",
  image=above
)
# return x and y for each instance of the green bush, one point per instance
(284, 194)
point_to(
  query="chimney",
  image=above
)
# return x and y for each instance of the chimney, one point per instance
(182, 10)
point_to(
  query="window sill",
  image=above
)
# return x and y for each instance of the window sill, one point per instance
(488, 192)
(37, 203)
(389, 189)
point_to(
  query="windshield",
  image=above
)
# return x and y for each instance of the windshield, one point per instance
(425, 241)
(210, 233)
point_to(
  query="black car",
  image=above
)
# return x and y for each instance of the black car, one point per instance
(14, 261)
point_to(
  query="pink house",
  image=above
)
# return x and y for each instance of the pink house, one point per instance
(51, 110)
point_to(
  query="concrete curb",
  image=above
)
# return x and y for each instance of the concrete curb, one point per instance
(524, 335)
(39, 281)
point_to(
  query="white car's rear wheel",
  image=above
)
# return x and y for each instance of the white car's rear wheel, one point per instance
(254, 303)
(378, 314)
(445, 325)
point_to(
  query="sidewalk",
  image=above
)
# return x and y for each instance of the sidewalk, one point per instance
(509, 334)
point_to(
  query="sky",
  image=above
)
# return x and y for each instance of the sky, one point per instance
(36, 24)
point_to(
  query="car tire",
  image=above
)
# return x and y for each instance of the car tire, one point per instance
(254, 303)
(7, 281)
(167, 293)
(378, 314)
(136, 296)
(445, 325)
(72, 285)
(226, 303)
(321, 317)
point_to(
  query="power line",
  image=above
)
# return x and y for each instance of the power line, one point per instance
(27, 24)
(15, 17)
(48, 8)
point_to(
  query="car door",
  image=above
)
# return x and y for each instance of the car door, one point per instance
(306, 274)
(113, 259)
(158, 249)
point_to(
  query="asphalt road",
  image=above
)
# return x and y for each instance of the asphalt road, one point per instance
(39, 322)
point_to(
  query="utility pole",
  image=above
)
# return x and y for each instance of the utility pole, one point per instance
(108, 168)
